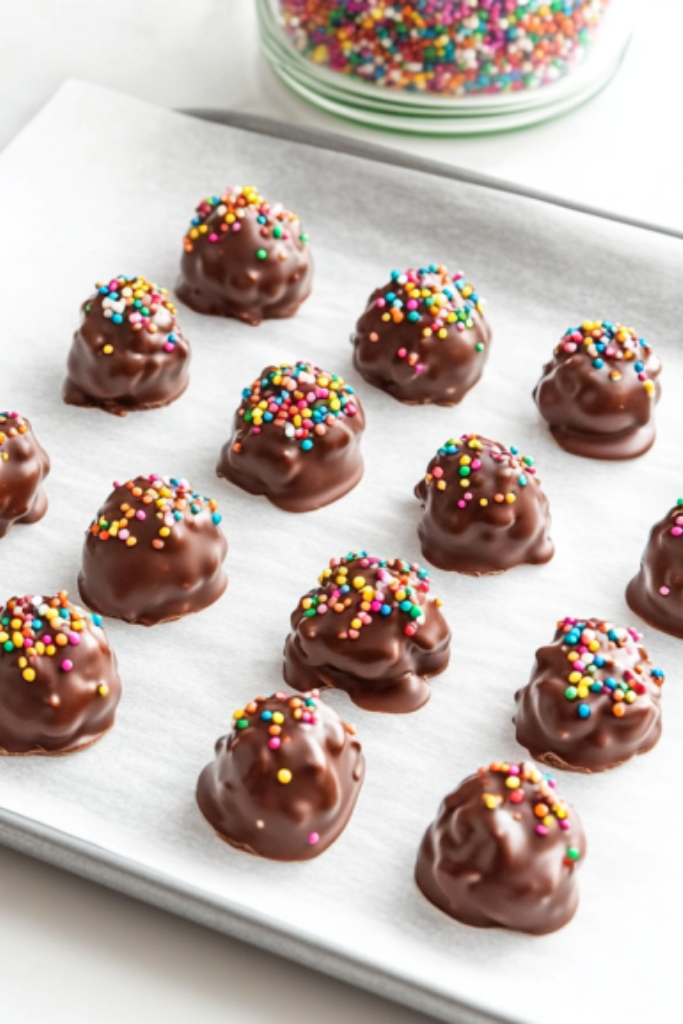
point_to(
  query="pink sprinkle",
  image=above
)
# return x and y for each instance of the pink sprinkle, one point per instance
(476, 463)
(74, 639)
(67, 665)
(542, 830)
(420, 368)
(375, 606)
(679, 520)
(676, 531)
(140, 514)
(514, 769)
(381, 302)
(437, 472)
(257, 430)
(460, 326)
(321, 609)
(402, 353)
(237, 226)
(168, 346)
(124, 534)
(135, 318)
(570, 347)
(314, 838)
(565, 825)
(411, 304)
(462, 504)
(274, 742)
(665, 591)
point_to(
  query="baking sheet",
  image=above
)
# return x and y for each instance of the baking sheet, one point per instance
(100, 184)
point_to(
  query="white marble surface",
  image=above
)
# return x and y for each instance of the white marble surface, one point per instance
(70, 951)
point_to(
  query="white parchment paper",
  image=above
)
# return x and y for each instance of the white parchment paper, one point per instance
(100, 184)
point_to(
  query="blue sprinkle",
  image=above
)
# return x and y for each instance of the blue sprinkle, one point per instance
(583, 711)
(307, 444)
(117, 318)
(217, 517)
(385, 609)
(97, 619)
(266, 715)
(598, 364)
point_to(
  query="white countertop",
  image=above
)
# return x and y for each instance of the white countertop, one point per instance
(70, 951)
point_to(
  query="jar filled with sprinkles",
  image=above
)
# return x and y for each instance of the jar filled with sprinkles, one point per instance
(445, 66)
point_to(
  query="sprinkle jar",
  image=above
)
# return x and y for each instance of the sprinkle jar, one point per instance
(445, 66)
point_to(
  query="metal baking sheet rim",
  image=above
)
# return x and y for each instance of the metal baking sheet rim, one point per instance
(97, 864)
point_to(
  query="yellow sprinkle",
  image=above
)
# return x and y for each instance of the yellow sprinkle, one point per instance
(512, 782)
(284, 775)
(103, 690)
(29, 674)
(278, 718)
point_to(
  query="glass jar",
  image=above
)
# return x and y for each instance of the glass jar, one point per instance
(445, 66)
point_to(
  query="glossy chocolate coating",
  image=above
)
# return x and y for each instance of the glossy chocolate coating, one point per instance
(285, 781)
(656, 592)
(598, 393)
(497, 857)
(129, 353)
(484, 509)
(23, 468)
(423, 337)
(59, 684)
(298, 462)
(154, 552)
(371, 628)
(245, 258)
(593, 700)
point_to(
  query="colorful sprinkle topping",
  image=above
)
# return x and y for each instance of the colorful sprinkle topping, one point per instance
(611, 348)
(11, 425)
(135, 302)
(277, 716)
(454, 47)
(433, 301)
(604, 659)
(362, 586)
(168, 499)
(44, 627)
(301, 400)
(468, 454)
(217, 217)
(525, 783)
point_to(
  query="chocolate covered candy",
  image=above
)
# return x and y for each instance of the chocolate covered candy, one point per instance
(423, 337)
(598, 393)
(245, 257)
(23, 468)
(593, 700)
(503, 852)
(129, 352)
(656, 592)
(296, 438)
(484, 510)
(154, 552)
(285, 781)
(373, 629)
(59, 684)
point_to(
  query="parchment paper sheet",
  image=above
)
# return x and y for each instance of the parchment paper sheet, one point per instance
(100, 184)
